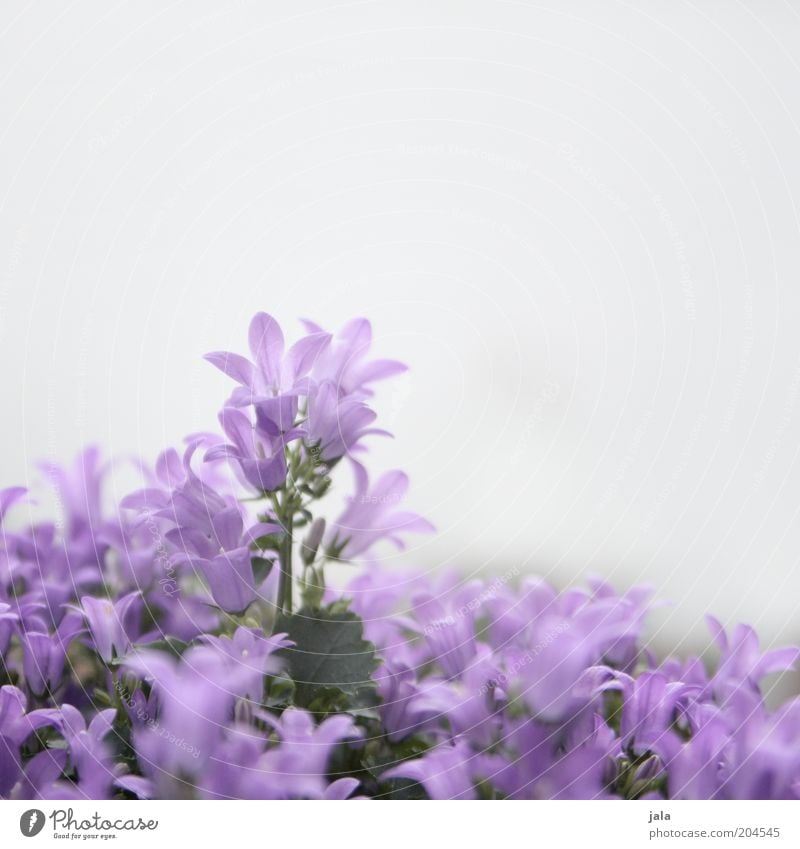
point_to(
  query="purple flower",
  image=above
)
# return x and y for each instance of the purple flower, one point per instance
(9, 497)
(257, 450)
(472, 706)
(252, 651)
(652, 704)
(220, 549)
(135, 549)
(550, 763)
(275, 379)
(299, 764)
(742, 662)
(449, 630)
(230, 578)
(341, 789)
(450, 771)
(581, 773)
(13, 731)
(371, 515)
(344, 363)
(402, 710)
(39, 778)
(195, 698)
(233, 772)
(110, 624)
(88, 754)
(334, 425)
(172, 472)
(694, 767)
(182, 497)
(762, 761)
(8, 622)
(79, 491)
(13, 704)
(10, 768)
(562, 637)
(208, 534)
(184, 616)
(44, 655)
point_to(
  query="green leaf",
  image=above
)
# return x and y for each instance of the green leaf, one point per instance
(280, 692)
(269, 542)
(331, 663)
(330, 700)
(261, 568)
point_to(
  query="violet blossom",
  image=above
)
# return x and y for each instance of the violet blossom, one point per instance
(372, 515)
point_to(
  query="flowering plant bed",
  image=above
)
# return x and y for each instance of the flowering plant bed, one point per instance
(187, 645)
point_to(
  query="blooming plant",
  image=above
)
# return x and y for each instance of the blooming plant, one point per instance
(187, 644)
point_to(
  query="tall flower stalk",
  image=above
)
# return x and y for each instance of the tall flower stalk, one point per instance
(292, 417)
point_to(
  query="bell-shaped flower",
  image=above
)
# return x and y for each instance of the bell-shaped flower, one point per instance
(276, 377)
(299, 764)
(448, 771)
(372, 515)
(652, 704)
(111, 623)
(89, 756)
(44, 655)
(257, 450)
(334, 425)
(253, 652)
(742, 662)
(195, 697)
(344, 362)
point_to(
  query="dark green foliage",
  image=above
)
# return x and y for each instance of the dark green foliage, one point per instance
(331, 663)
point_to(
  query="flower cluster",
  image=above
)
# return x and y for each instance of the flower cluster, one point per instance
(186, 643)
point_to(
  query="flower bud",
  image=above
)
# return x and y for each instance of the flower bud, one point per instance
(310, 545)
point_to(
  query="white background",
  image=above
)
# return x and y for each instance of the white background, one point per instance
(576, 221)
(462, 823)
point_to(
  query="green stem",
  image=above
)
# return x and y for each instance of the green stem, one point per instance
(122, 715)
(285, 580)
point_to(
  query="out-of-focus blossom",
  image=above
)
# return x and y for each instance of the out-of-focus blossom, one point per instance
(109, 624)
(299, 764)
(195, 698)
(334, 425)
(79, 491)
(251, 651)
(447, 772)
(742, 663)
(402, 710)
(44, 655)
(8, 621)
(88, 754)
(344, 361)
(372, 515)
(9, 497)
(208, 533)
